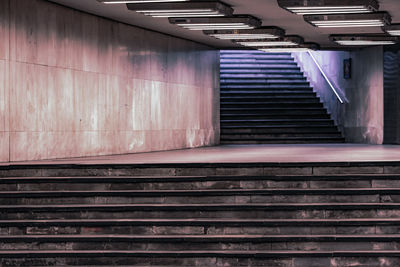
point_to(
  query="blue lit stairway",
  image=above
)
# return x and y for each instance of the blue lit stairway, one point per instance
(265, 98)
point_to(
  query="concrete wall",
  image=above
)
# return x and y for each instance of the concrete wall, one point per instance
(360, 118)
(73, 84)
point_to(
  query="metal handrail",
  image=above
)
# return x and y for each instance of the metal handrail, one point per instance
(326, 77)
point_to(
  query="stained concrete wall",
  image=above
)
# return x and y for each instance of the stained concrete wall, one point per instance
(360, 118)
(73, 84)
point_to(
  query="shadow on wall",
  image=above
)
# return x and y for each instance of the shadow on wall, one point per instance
(360, 118)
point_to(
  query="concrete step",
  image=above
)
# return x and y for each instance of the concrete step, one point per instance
(278, 129)
(262, 71)
(232, 211)
(266, 86)
(272, 104)
(233, 136)
(285, 61)
(224, 196)
(286, 140)
(265, 81)
(260, 76)
(278, 93)
(269, 99)
(251, 116)
(217, 226)
(259, 66)
(147, 183)
(280, 122)
(269, 90)
(273, 111)
(187, 243)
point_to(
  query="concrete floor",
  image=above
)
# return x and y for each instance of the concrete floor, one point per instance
(247, 153)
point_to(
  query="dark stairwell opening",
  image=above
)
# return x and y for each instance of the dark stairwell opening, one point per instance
(266, 99)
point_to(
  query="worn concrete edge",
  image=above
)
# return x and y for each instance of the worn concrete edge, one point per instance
(199, 165)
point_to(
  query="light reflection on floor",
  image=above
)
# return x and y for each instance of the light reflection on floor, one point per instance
(248, 153)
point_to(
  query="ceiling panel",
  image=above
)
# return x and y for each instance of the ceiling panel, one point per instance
(267, 10)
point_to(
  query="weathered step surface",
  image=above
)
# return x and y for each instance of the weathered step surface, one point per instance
(221, 214)
(258, 88)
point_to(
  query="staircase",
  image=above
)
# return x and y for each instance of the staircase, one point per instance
(283, 214)
(265, 99)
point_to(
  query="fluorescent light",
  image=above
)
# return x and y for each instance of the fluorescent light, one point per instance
(377, 19)
(217, 23)
(288, 43)
(139, 1)
(183, 9)
(363, 40)
(312, 7)
(366, 42)
(284, 49)
(305, 47)
(393, 29)
(252, 34)
(284, 41)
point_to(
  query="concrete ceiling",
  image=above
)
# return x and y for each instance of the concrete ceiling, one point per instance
(267, 10)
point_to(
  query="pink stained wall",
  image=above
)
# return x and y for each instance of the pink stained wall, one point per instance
(73, 84)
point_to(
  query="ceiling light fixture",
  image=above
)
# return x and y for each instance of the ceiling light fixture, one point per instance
(259, 33)
(284, 41)
(393, 29)
(217, 23)
(363, 40)
(139, 1)
(377, 19)
(310, 7)
(305, 47)
(183, 9)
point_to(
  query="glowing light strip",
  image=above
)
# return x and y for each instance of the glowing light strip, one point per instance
(325, 7)
(288, 43)
(183, 15)
(243, 36)
(293, 49)
(142, 1)
(364, 42)
(326, 77)
(215, 26)
(348, 23)
(394, 32)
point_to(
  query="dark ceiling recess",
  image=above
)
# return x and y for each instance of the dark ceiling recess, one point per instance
(310, 7)
(183, 9)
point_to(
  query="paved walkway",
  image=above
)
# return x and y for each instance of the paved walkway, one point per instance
(248, 153)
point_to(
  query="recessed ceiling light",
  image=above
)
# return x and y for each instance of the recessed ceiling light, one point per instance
(393, 29)
(301, 48)
(183, 9)
(139, 1)
(363, 40)
(310, 7)
(217, 23)
(284, 41)
(259, 33)
(376, 19)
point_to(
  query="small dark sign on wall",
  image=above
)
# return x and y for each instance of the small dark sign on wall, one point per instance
(347, 68)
